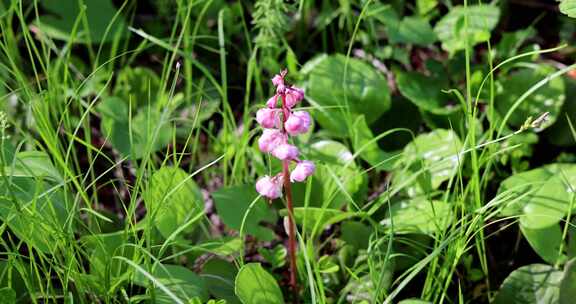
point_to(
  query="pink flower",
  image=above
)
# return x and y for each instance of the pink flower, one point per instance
(285, 152)
(298, 123)
(271, 103)
(270, 140)
(267, 118)
(302, 171)
(269, 187)
(293, 96)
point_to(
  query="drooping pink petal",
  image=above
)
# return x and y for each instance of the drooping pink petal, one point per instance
(272, 102)
(268, 118)
(293, 96)
(302, 171)
(298, 123)
(285, 152)
(269, 187)
(270, 140)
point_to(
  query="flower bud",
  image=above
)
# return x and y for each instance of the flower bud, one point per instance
(270, 140)
(267, 118)
(302, 171)
(278, 80)
(293, 96)
(269, 187)
(285, 152)
(297, 123)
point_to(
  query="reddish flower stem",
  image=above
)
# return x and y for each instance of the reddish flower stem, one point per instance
(290, 207)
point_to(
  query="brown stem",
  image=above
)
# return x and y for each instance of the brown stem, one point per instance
(291, 230)
(290, 207)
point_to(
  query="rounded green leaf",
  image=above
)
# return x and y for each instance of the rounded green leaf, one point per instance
(232, 203)
(568, 284)
(548, 98)
(546, 242)
(364, 143)
(428, 161)
(180, 281)
(418, 216)
(254, 285)
(568, 7)
(173, 200)
(426, 93)
(341, 177)
(560, 133)
(338, 85)
(7, 295)
(482, 19)
(531, 284)
(219, 277)
(102, 23)
(542, 196)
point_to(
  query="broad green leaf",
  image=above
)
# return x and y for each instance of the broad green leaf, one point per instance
(254, 285)
(418, 216)
(232, 203)
(10, 276)
(34, 164)
(531, 284)
(7, 295)
(568, 283)
(548, 98)
(356, 234)
(425, 6)
(219, 277)
(546, 242)
(181, 281)
(428, 161)
(338, 86)
(173, 200)
(560, 133)
(33, 202)
(451, 30)
(341, 177)
(426, 92)
(542, 196)
(568, 7)
(97, 21)
(150, 131)
(362, 139)
(411, 30)
(140, 86)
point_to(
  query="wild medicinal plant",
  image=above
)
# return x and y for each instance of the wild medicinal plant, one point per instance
(280, 122)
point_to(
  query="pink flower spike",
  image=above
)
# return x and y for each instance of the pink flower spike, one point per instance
(270, 140)
(303, 169)
(285, 152)
(272, 102)
(269, 187)
(298, 123)
(267, 118)
(293, 96)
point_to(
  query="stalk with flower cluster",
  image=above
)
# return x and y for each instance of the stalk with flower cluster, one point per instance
(280, 122)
